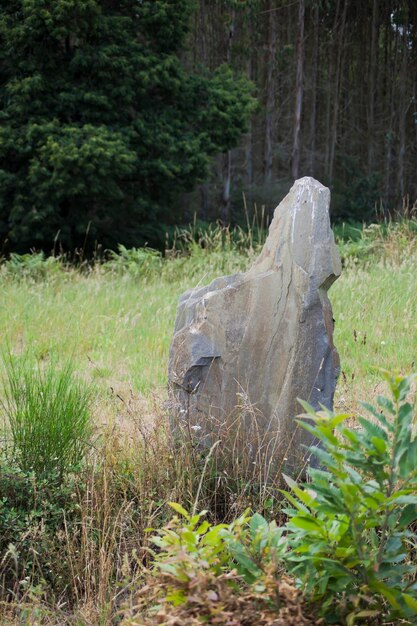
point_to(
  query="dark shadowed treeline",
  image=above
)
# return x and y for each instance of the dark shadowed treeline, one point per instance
(119, 120)
(336, 82)
(101, 126)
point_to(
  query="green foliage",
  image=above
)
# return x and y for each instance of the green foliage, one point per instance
(48, 416)
(33, 515)
(349, 538)
(33, 267)
(101, 125)
(355, 193)
(250, 545)
(257, 550)
(359, 243)
(195, 250)
(188, 545)
(47, 431)
(349, 532)
(138, 262)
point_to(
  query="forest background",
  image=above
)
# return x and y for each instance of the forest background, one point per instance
(121, 119)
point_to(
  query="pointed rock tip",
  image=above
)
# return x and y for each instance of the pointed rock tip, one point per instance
(308, 181)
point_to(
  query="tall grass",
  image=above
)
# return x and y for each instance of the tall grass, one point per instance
(117, 319)
(48, 415)
(80, 550)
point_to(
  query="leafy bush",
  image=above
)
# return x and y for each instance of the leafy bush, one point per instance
(189, 545)
(138, 262)
(34, 513)
(349, 539)
(47, 413)
(349, 535)
(223, 574)
(105, 148)
(393, 241)
(34, 266)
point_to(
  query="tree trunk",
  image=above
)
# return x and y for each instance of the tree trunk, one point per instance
(314, 77)
(296, 152)
(227, 157)
(226, 176)
(372, 87)
(402, 117)
(331, 53)
(270, 95)
(248, 138)
(333, 134)
(389, 135)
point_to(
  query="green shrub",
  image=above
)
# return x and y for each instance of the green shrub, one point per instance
(34, 515)
(47, 415)
(186, 547)
(34, 266)
(189, 546)
(143, 262)
(393, 241)
(350, 541)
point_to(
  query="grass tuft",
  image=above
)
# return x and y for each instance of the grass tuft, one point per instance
(47, 411)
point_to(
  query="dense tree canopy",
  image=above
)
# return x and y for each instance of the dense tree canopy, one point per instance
(336, 83)
(110, 111)
(101, 124)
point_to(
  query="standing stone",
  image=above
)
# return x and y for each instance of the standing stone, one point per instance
(247, 346)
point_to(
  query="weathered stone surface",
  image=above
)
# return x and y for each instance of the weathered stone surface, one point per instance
(248, 345)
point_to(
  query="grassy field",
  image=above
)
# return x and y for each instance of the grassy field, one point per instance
(117, 325)
(114, 322)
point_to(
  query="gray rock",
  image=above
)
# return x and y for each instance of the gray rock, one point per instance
(247, 346)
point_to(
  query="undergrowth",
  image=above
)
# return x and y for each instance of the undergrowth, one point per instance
(343, 549)
(220, 249)
(348, 543)
(74, 546)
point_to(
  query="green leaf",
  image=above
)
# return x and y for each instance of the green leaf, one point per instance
(373, 429)
(410, 602)
(204, 526)
(352, 617)
(302, 494)
(408, 516)
(306, 523)
(215, 535)
(380, 444)
(176, 597)
(386, 404)
(179, 509)
(379, 416)
(298, 505)
(258, 524)
(389, 594)
(402, 499)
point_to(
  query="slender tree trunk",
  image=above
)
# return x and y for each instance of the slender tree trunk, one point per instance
(389, 136)
(402, 117)
(249, 155)
(227, 177)
(227, 157)
(333, 134)
(314, 81)
(249, 134)
(331, 54)
(296, 151)
(270, 94)
(372, 87)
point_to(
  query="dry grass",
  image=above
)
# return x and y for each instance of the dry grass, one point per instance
(117, 328)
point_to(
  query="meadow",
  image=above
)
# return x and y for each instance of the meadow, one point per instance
(116, 320)
(113, 321)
